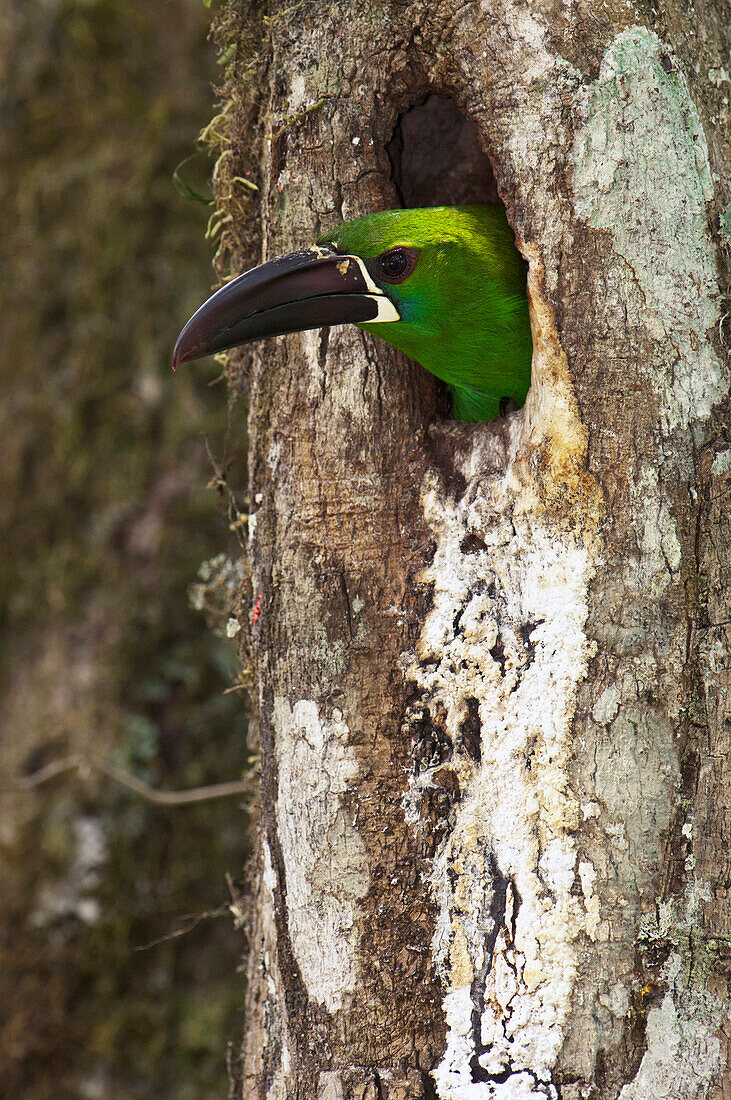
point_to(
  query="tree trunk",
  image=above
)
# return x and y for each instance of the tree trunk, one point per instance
(493, 660)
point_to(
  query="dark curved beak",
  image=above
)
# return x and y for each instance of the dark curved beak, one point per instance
(301, 291)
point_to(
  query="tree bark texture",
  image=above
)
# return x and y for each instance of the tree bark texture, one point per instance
(493, 660)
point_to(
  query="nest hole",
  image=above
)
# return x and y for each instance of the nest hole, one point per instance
(436, 157)
(437, 160)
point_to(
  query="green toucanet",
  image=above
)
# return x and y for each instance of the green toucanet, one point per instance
(446, 285)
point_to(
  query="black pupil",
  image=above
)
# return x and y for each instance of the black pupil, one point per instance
(394, 263)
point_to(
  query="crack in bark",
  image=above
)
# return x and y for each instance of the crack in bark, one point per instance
(470, 731)
(498, 907)
(346, 602)
(322, 356)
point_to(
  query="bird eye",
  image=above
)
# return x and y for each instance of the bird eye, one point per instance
(397, 264)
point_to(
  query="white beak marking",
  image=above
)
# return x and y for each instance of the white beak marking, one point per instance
(386, 310)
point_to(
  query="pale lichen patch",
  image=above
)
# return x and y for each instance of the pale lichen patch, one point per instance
(316, 768)
(587, 877)
(654, 207)
(721, 463)
(725, 222)
(683, 1053)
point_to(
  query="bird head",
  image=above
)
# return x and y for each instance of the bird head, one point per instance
(445, 285)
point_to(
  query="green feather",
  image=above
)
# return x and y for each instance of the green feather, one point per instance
(464, 309)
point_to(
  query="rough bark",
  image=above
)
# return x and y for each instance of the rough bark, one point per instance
(493, 660)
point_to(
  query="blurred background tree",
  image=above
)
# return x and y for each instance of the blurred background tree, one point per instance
(105, 520)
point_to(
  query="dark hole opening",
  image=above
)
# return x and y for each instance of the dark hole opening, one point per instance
(436, 158)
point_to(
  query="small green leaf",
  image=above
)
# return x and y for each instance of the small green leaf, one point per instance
(187, 190)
